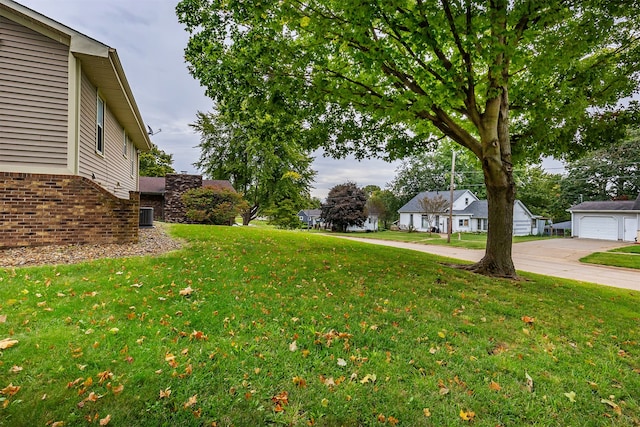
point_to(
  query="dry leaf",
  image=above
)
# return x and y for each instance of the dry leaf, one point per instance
(10, 390)
(7, 343)
(3, 318)
(293, 346)
(164, 394)
(467, 416)
(192, 401)
(104, 421)
(494, 386)
(342, 362)
(571, 396)
(118, 389)
(426, 412)
(613, 405)
(528, 320)
(15, 369)
(529, 382)
(186, 291)
(367, 378)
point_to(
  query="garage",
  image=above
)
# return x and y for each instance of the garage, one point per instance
(606, 220)
(598, 227)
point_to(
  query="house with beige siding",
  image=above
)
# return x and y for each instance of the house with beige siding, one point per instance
(70, 135)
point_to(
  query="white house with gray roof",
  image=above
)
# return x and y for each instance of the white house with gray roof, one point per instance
(607, 220)
(470, 214)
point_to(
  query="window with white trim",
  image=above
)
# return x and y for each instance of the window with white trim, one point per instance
(100, 127)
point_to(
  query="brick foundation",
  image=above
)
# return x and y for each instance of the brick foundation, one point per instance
(38, 210)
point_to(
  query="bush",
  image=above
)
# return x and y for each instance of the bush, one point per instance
(213, 205)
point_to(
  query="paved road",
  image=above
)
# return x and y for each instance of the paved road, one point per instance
(550, 257)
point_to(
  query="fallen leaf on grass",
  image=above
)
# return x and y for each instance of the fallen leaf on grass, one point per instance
(571, 396)
(10, 390)
(7, 343)
(494, 386)
(15, 369)
(426, 412)
(164, 394)
(613, 405)
(467, 416)
(528, 320)
(3, 318)
(104, 421)
(293, 346)
(368, 378)
(529, 382)
(192, 401)
(186, 291)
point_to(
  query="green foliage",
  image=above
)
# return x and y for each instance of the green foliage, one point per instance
(156, 162)
(431, 171)
(391, 205)
(610, 173)
(259, 153)
(506, 80)
(215, 332)
(344, 207)
(218, 206)
(540, 192)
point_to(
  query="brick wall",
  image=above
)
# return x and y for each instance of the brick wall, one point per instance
(175, 187)
(37, 210)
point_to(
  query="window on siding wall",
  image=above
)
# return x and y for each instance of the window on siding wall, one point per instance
(100, 127)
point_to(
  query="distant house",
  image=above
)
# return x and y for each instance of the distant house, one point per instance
(164, 194)
(470, 214)
(607, 220)
(370, 224)
(70, 134)
(310, 218)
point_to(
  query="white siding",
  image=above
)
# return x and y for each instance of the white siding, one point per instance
(33, 98)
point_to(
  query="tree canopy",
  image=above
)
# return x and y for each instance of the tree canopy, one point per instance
(611, 173)
(259, 154)
(344, 207)
(156, 162)
(505, 79)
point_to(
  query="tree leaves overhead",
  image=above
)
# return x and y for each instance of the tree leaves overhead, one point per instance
(420, 66)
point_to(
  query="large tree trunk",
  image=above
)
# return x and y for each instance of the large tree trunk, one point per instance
(497, 260)
(501, 191)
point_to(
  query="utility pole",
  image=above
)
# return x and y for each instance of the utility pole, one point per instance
(450, 222)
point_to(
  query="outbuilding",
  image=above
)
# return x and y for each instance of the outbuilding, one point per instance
(607, 220)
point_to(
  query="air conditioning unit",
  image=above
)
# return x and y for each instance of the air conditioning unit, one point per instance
(146, 217)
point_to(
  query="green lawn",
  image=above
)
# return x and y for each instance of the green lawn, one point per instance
(464, 240)
(627, 256)
(253, 327)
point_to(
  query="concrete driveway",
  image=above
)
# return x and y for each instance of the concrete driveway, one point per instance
(550, 257)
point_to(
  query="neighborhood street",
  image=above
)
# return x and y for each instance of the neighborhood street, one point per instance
(550, 257)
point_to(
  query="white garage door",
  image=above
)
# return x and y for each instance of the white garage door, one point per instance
(599, 227)
(630, 229)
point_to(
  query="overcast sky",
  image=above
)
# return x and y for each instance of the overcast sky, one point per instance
(150, 43)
